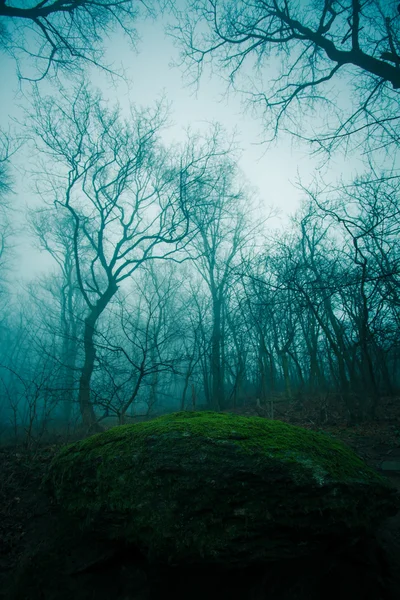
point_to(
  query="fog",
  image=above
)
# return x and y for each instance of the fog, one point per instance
(173, 259)
(199, 299)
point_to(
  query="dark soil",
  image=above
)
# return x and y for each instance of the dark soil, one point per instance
(43, 557)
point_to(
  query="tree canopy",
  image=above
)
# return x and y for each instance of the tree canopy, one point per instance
(61, 35)
(319, 45)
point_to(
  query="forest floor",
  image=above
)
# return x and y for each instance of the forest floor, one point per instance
(27, 515)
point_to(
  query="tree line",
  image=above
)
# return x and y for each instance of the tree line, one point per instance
(168, 289)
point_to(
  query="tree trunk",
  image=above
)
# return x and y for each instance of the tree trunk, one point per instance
(85, 405)
(193, 397)
(69, 349)
(262, 367)
(69, 356)
(286, 375)
(186, 384)
(217, 392)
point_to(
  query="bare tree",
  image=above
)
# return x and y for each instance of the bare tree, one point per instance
(326, 293)
(59, 292)
(237, 341)
(127, 198)
(7, 228)
(367, 216)
(222, 232)
(29, 376)
(63, 35)
(6, 151)
(136, 346)
(315, 41)
(194, 349)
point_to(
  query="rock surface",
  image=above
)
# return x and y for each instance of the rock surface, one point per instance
(390, 465)
(211, 488)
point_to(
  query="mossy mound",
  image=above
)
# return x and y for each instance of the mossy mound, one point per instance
(191, 487)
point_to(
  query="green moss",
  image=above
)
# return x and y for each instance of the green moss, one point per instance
(203, 483)
(308, 450)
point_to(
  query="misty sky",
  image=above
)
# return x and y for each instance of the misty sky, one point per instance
(272, 170)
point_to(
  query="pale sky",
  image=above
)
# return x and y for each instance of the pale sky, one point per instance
(273, 171)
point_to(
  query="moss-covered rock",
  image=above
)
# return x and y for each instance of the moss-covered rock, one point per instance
(190, 487)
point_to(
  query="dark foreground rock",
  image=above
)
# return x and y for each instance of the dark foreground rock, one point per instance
(80, 566)
(190, 488)
(212, 506)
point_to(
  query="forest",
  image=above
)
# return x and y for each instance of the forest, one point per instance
(172, 285)
(178, 301)
(168, 287)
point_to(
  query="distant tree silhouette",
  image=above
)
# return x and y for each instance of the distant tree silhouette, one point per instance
(126, 197)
